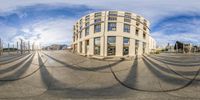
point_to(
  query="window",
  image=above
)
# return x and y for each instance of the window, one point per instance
(137, 23)
(144, 27)
(137, 32)
(97, 14)
(111, 45)
(86, 31)
(97, 46)
(87, 18)
(127, 28)
(112, 26)
(86, 46)
(145, 22)
(87, 24)
(126, 41)
(127, 15)
(144, 35)
(97, 20)
(112, 13)
(127, 20)
(138, 18)
(125, 46)
(97, 28)
(112, 18)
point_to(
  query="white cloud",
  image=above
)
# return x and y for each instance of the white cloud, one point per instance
(152, 9)
(50, 31)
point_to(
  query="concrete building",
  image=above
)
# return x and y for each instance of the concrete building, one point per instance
(111, 34)
(152, 44)
(183, 47)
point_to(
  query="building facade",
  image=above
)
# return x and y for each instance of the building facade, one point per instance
(111, 34)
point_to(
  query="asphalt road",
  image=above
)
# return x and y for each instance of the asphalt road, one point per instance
(61, 75)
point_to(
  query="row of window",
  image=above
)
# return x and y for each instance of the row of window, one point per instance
(112, 26)
(111, 48)
(112, 16)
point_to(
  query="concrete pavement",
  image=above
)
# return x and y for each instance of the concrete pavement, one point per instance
(61, 75)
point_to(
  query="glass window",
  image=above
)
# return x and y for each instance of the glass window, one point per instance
(86, 31)
(97, 28)
(126, 41)
(97, 46)
(97, 14)
(112, 13)
(112, 18)
(127, 15)
(125, 46)
(111, 48)
(127, 28)
(87, 18)
(87, 24)
(127, 20)
(137, 32)
(111, 40)
(112, 26)
(144, 35)
(97, 20)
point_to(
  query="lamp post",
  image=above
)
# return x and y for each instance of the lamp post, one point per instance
(1, 48)
(21, 46)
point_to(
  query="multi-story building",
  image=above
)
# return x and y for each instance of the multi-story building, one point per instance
(111, 34)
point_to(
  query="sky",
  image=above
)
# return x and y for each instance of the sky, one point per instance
(51, 21)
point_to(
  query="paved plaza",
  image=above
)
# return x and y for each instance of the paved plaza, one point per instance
(61, 75)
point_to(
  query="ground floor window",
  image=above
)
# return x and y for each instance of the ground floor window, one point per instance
(80, 47)
(86, 46)
(125, 46)
(97, 47)
(111, 43)
(125, 50)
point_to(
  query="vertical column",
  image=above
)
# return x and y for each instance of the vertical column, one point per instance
(132, 47)
(119, 46)
(102, 46)
(91, 46)
(1, 48)
(83, 47)
(140, 48)
(78, 47)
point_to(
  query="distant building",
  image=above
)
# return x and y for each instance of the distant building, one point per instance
(169, 48)
(152, 44)
(183, 47)
(56, 47)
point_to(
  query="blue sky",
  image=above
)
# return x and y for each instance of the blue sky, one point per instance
(50, 21)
